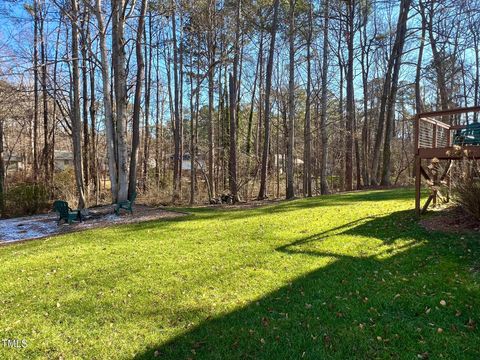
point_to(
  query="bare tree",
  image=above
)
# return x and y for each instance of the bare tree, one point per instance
(438, 61)
(35, 89)
(389, 117)
(86, 134)
(75, 111)
(45, 97)
(350, 106)
(323, 116)
(121, 99)
(233, 91)
(211, 50)
(2, 168)
(268, 86)
(132, 184)
(107, 103)
(307, 176)
(418, 71)
(291, 103)
(177, 124)
(248, 146)
(148, 86)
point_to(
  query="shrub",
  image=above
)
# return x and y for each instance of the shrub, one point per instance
(64, 186)
(467, 188)
(26, 199)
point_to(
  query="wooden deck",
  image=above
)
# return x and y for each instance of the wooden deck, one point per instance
(446, 153)
(434, 133)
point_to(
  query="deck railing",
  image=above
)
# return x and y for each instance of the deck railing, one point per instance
(436, 129)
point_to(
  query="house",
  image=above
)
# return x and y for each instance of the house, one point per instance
(279, 160)
(63, 160)
(14, 163)
(187, 165)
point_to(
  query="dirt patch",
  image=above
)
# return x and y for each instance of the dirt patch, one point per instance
(453, 220)
(40, 226)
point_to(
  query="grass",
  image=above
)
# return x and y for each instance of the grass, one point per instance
(342, 276)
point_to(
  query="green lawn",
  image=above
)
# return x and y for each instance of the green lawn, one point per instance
(343, 276)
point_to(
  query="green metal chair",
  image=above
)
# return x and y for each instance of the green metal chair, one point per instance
(126, 205)
(470, 135)
(66, 213)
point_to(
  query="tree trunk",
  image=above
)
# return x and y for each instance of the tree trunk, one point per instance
(233, 91)
(437, 60)
(476, 95)
(291, 103)
(350, 118)
(2, 171)
(323, 116)
(194, 104)
(75, 112)
(35, 90)
(358, 158)
(132, 186)
(341, 107)
(180, 105)
(307, 176)
(176, 98)
(260, 117)
(54, 96)
(158, 122)
(268, 86)
(390, 118)
(418, 72)
(93, 126)
(365, 65)
(211, 45)
(248, 146)
(86, 138)
(121, 99)
(107, 103)
(232, 159)
(148, 85)
(476, 82)
(379, 136)
(168, 66)
(43, 60)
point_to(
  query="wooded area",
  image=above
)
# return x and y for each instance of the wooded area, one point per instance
(185, 101)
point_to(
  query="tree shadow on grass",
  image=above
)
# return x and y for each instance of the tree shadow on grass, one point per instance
(355, 307)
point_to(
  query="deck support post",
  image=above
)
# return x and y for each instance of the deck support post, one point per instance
(427, 203)
(447, 176)
(418, 183)
(449, 188)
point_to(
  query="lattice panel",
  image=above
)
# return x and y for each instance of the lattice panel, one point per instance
(442, 140)
(425, 134)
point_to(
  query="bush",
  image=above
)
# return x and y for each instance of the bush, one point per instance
(26, 199)
(467, 188)
(64, 186)
(468, 195)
